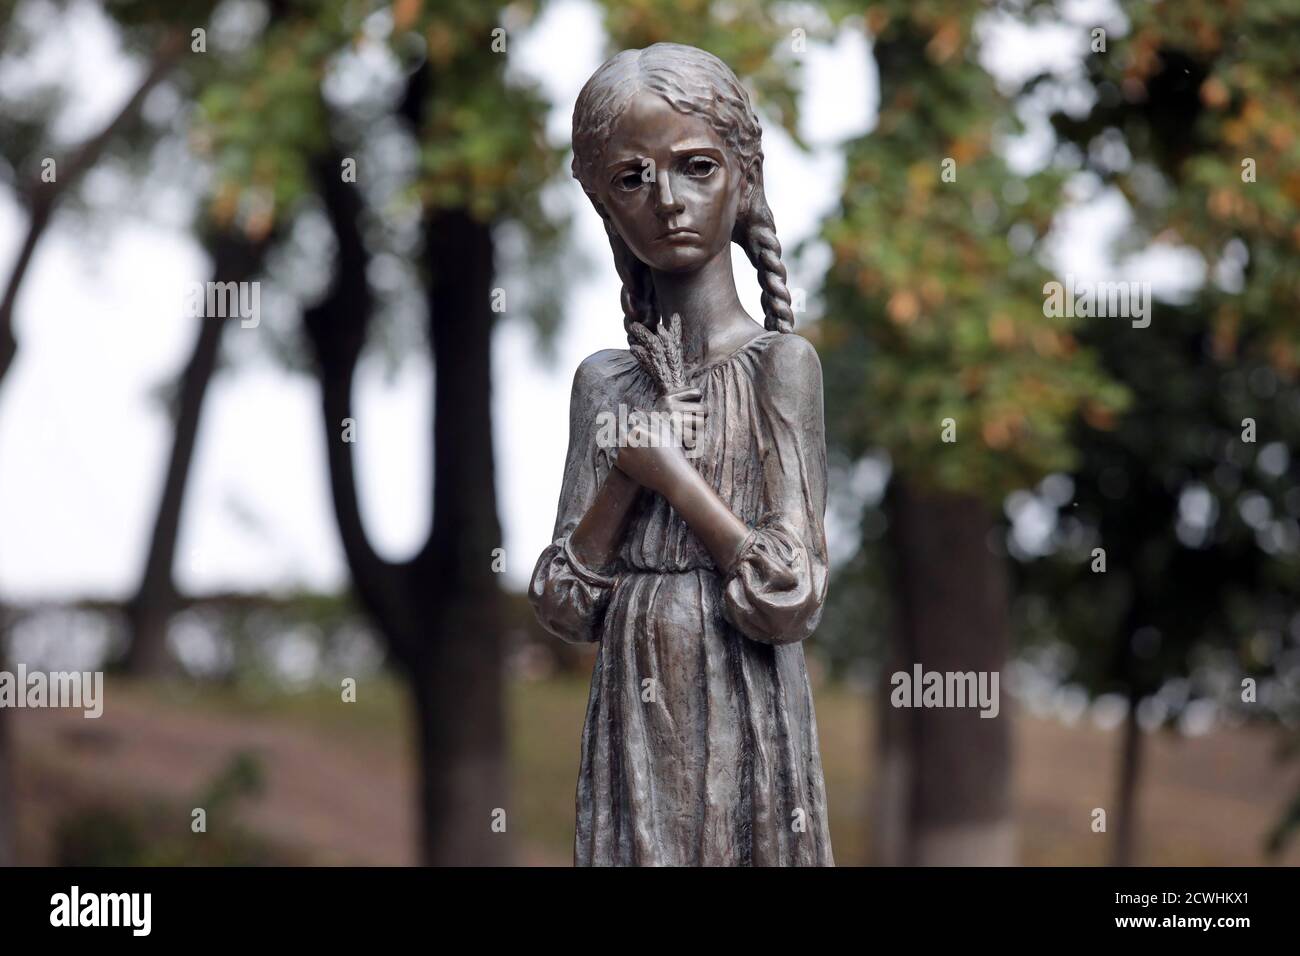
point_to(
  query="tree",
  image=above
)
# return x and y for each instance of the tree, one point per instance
(938, 353)
(236, 259)
(238, 247)
(761, 40)
(482, 162)
(41, 195)
(1192, 496)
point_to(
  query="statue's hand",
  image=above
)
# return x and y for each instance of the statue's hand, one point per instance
(652, 454)
(687, 414)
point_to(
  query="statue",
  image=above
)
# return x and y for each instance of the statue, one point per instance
(695, 555)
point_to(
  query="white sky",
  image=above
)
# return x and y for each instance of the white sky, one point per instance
(101, 324)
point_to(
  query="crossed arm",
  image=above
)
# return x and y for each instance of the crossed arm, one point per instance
(665, 469)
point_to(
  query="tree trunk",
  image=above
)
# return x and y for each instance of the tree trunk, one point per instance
(466, 677)
(945, 793)
(457, 694)
(888, 814)
(1126, 808)
(440, 613)
(150, 610)
(8, 794)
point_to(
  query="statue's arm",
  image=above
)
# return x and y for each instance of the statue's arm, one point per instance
(570, 588)
(707, 515)
(599, 535)
(775, 591)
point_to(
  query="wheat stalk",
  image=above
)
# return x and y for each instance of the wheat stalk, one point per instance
(660, 354)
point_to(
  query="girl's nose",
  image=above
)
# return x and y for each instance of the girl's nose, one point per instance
(665, 203)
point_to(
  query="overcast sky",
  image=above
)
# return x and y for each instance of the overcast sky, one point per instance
(101, 323)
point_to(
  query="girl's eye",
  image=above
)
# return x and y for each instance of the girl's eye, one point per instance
(629, 181)
(700, 167)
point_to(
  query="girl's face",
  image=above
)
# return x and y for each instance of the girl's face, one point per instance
(669, 185)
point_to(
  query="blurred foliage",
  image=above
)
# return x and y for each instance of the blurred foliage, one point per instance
(858, 616)
(32, 103)
(1199, 530)
(108, 835)
(934, 303)
(283, 84)
(480, 136)
(1193, 120)
(1200, 91)
(268, 645)
(1281, 834)
(25, 113)
(482, 142)
(243, 777)
(760, 40)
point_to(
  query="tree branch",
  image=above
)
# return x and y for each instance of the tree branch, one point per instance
(336, 327)
(44, 196)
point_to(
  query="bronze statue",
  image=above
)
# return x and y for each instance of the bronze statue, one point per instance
(696, 560)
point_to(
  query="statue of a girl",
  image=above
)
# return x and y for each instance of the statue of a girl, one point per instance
(697, 563)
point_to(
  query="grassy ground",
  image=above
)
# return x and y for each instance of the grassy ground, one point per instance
(336, 779)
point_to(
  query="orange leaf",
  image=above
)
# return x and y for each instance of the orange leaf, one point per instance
(405, 13)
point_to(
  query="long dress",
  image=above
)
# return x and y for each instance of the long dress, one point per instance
(700, 743)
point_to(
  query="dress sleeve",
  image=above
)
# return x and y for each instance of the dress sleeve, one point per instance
(775, 586)
(568, 597)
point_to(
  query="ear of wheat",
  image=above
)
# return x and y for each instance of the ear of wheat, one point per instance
(660, 353)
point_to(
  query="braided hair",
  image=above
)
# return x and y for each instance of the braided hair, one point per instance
(695, 82)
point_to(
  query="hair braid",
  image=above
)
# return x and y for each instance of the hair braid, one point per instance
(757, 236)
(638, 295)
